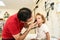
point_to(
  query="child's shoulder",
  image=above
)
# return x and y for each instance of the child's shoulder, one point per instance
(44, 24)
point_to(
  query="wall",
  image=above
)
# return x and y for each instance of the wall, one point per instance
(58, 13)
(10, 11)
(52, 23)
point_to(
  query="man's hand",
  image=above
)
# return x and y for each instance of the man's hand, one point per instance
(32, 25)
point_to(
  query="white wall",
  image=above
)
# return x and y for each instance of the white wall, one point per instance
(52, 23)
(10, 11)
(58, 13)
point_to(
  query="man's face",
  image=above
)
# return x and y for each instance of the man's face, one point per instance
(29, 20)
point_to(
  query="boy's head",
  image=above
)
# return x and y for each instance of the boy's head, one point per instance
(40, 18)
(24, 14)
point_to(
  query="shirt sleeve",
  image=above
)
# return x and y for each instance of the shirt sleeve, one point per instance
(46, 29)
(12, 27)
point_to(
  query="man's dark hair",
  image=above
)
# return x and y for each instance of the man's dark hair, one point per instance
(24, 14)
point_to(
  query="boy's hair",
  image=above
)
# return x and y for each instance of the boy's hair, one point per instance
(24, 14)
(43, 18)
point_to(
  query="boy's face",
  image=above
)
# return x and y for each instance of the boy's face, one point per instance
(39, 19)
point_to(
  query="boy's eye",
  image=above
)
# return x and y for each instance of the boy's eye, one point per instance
(38, 18)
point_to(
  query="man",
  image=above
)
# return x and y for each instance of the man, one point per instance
(15, 23)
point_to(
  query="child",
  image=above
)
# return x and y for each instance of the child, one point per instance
(41, 30)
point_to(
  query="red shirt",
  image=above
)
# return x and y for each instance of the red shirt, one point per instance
(12, 27)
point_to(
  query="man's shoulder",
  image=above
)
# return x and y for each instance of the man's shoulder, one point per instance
(12, 18)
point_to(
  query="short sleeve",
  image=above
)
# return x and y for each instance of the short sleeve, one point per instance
(12, 27)
(46, 29)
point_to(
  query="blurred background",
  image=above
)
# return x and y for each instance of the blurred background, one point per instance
(49, 8)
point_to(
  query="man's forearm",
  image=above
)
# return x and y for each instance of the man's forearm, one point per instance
(22, 37)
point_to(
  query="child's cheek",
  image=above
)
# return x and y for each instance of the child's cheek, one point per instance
(38, 22)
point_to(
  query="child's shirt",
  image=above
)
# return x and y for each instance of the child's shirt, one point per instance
(41, 31)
